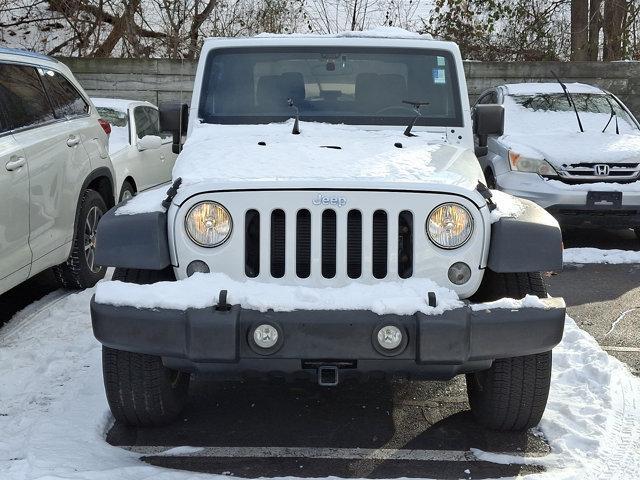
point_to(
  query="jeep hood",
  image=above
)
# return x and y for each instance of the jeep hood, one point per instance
(322, 156)
(569, 148)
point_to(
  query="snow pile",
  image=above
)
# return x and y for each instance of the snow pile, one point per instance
(201, 290)
(145, 202)
(233, 153)
(596, 255)
(506, 206)
(53, 413)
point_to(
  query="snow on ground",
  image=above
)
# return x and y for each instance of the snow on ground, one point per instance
(597, 255)
(54, 416)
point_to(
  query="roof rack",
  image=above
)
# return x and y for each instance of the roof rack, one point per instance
(26, 53)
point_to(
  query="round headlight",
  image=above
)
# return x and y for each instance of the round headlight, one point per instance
(449, 225)
(208, 224)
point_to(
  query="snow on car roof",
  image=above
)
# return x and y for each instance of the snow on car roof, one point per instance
(116, 103)
(551, 87)
(380, 33)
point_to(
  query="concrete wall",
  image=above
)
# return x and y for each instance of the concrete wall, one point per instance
(168, 80)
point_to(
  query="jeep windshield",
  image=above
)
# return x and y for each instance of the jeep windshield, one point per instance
(547, 113)
(361, 86)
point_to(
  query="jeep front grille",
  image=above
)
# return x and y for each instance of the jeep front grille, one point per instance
(341, 240)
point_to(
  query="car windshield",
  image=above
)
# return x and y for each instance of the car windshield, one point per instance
(346, 85)
(545, 112)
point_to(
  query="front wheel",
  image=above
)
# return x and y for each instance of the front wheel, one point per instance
(637, 230)
(140, 390)
(512, 394)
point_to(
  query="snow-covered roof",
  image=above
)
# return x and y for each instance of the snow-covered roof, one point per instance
(117, 103)
(551, 87)
(376, 35)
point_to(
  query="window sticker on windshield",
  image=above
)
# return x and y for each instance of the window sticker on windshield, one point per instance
(438, 76)
(441, 61)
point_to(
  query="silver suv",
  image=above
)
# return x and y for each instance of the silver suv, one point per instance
(56, 177)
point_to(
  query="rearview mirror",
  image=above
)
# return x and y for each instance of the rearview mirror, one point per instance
(174, 118)
(149, 142)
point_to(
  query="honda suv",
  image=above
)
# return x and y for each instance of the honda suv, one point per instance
(56, 177)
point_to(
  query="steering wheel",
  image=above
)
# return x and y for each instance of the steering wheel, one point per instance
(401, 108)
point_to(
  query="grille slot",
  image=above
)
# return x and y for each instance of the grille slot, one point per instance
(328, 244)
(405, 244)
(354, 244)
(379, 245)
(252, 243)
(277, 243)
(303, 243)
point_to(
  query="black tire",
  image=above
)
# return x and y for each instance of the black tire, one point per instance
(512, 394)
(637, 230)
(80, 271)
(141, 391)
(127, 190)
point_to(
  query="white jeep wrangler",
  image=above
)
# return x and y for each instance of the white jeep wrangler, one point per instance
(328, 218)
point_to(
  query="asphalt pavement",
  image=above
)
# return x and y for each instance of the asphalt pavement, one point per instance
(373, 429)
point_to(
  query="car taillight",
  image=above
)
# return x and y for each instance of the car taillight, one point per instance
(106, 126)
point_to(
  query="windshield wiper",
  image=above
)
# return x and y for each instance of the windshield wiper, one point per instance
(296, 112)
(416, 106)
(613, 114)
(569, 99)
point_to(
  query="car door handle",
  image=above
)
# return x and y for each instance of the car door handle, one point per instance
(15, 164)
(72, 141)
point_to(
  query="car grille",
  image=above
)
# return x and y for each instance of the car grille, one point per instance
(587, 172)
(330, 240)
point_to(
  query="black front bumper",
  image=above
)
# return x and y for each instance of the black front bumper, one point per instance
(437, 346)
(585, 216)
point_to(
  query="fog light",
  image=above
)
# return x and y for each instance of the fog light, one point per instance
(389, 337)
(197, 266)
(265, 335)
(459, 273)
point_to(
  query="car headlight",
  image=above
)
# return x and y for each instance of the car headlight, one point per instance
(449, 225)
(208, 224)
(522, 163)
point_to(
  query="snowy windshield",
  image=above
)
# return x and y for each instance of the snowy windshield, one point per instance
(346, 85)
(119, 120)
(552, 111)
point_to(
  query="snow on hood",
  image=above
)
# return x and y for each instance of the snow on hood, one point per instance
(233, 153)
(555, 136)
(567, 148)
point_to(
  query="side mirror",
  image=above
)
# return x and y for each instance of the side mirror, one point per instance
(149, 142)
(488, 120)
(174, 118)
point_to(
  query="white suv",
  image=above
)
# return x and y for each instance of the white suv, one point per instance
(56, 177)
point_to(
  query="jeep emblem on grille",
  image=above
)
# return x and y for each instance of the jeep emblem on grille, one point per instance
(601, 170)
(335, 200)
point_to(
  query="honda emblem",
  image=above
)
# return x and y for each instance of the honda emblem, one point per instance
(601, 170)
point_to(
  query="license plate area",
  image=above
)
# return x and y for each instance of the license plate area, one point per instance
(606, 200)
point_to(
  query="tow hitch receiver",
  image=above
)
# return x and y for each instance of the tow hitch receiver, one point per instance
(328, 375)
